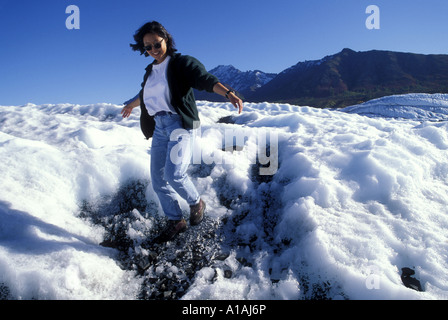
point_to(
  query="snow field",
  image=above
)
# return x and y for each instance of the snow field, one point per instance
(354, 200)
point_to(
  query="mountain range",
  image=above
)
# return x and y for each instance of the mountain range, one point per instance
(245, 83)
(339, 80)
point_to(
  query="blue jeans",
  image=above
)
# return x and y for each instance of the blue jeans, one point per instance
(171, 154)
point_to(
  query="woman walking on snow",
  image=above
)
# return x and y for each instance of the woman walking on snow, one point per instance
(167, 103)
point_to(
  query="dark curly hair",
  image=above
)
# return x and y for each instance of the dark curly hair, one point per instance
(155, 28)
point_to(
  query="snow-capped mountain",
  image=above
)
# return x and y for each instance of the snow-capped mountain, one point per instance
(339, 80)
(244, 82)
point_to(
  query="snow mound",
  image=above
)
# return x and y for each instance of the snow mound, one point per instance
(352, 202)
(417, 106)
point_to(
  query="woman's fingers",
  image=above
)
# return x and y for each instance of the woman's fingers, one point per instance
(237, 103)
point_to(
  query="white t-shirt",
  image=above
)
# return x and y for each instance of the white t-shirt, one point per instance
(156, 94)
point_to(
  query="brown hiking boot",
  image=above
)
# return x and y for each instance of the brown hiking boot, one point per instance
(172, 228)
(197, 213)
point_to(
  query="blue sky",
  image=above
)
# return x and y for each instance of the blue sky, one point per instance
(41, 61)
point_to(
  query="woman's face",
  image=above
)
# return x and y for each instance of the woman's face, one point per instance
(158, 46)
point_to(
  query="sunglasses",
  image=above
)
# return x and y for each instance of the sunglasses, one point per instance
(157, 45)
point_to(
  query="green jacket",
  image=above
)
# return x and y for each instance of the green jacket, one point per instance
(183, 74)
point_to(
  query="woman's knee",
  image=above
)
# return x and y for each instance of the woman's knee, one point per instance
(175, 178)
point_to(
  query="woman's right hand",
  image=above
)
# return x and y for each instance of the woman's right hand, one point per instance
(127, 110)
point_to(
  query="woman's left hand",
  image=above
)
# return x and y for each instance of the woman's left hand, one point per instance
(234, 99)
(237, 102)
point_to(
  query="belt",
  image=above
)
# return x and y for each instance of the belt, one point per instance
(162, 113)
